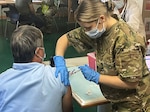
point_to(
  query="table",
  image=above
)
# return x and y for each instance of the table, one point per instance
(2, 2)
(86, 93)
(71, 62)
(13, 1)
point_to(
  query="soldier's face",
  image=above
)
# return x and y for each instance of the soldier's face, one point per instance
(88, 26)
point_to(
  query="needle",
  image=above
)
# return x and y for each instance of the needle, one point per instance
(73, 71)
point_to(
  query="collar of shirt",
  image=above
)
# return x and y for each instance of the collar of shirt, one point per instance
(31, 65)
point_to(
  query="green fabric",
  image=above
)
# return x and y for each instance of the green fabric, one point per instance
(45, 9)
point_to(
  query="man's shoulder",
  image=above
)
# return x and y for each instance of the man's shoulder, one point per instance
(49, 72)
(6, 72)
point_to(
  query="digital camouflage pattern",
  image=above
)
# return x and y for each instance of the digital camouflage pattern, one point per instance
(121, 52)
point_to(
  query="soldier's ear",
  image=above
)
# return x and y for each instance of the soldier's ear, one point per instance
(102, 18)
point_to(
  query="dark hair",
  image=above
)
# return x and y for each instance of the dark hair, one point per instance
(24, 42)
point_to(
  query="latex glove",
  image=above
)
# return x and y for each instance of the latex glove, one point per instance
(61, 68)
(90, 74)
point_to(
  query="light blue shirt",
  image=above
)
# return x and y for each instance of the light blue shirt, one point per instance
(31, 87)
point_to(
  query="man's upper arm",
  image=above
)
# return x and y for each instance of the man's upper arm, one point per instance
(67, 101)
(80, 41)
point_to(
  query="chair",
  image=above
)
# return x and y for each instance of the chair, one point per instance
(27, 14)
(72, 5)
(15, 17)
(62, 7)
(55, 23)
(12, 16)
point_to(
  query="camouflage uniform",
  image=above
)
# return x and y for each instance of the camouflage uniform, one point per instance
(49, 9)
(119, 52)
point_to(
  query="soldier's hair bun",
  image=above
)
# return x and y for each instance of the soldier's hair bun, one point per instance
(110, 5)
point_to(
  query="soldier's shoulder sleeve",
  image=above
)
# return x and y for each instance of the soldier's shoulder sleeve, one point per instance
(129, 59)
(79, 40)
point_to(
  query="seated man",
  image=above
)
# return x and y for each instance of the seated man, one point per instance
(28, 13)
(31, 86)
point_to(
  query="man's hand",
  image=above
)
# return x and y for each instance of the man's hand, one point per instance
(90, 74)
(61, 68)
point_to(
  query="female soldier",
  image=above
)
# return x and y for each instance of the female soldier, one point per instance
(122, 73)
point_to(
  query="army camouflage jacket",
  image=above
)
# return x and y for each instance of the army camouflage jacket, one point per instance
(119, 52)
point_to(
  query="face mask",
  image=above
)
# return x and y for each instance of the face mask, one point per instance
(42, 58)
(96, 33)
(119, 3)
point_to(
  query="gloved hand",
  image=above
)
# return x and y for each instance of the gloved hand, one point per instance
(90, 74)
(61, 68)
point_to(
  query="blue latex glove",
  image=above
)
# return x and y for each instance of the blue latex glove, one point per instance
(90, 74)
(61, 68)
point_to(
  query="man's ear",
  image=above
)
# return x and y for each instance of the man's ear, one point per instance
(37, 50)
(35, 57)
